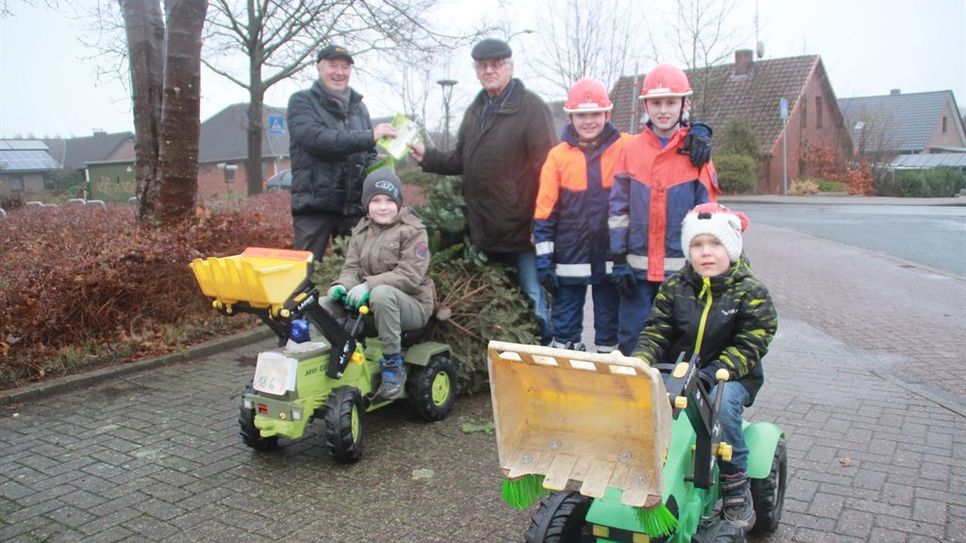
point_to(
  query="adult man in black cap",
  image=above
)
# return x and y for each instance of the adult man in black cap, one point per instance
(332, 141)
(503, 140)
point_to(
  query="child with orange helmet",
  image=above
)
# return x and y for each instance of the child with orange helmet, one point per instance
(655, 185)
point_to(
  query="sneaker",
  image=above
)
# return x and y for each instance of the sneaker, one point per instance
(393, 378)
(569, 345)
(605, 349)
(736, 503)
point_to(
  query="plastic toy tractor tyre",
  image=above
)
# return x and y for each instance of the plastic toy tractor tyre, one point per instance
(249, 433)
(559, 518)
(769, 493)
(432, 388)
(344, 428)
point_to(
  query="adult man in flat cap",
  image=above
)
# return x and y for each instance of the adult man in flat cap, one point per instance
(503, 141)
(331, 142)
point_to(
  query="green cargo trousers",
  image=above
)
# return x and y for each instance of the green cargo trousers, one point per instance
(393, 311)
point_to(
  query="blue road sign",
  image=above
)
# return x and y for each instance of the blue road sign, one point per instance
(276, 125)
(784, 107)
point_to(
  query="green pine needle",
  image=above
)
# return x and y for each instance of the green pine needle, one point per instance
(657, 521)
(522, 492)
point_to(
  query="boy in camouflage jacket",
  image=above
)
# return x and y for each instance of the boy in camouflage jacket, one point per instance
(715, 307)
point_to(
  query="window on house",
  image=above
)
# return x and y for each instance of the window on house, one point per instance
(804, 112)
(16, 183)
(945, 126)
(818, 112)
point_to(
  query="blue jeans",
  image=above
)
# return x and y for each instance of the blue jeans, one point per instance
(732, 406)
(567, 313)
(526, 263)
(632, 314)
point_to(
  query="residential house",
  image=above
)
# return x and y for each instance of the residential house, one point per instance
(750, 91)
(884, 127)
(25, 165)
(223, 149)
(105, 161)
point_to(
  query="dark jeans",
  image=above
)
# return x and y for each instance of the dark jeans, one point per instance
(312, 232)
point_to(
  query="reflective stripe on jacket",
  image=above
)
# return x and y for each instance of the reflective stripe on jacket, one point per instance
(571, 213)
(654, 188)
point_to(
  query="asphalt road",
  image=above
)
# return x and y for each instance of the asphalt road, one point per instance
(933, 236)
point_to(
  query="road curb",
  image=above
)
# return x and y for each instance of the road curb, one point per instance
(71, 382)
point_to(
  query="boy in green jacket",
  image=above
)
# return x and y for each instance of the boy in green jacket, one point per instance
(716, 308)
(386, 266)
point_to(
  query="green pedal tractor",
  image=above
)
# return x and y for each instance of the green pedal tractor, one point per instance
(614, 425)
(332, 377)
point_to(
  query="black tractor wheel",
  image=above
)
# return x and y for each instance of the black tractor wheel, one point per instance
(769, 493)
(249, 433)
(432, 388)
(558, 519)
(344, 429)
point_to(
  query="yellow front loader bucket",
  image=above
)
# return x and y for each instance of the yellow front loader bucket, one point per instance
(262, 277)
(599, 419)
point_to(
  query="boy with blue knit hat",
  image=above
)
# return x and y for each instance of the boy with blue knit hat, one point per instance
(714, 307)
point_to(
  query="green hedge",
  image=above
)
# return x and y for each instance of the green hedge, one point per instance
(939, 182)
(737, 174)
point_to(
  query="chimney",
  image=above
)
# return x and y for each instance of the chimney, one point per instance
(895, 92)
(744, 61)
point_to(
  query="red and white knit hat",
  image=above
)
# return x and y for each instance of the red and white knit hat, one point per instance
(717, 220)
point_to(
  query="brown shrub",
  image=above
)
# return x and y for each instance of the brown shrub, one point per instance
(74, 276)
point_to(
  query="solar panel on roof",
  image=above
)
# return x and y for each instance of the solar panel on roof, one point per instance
(30, 160)
(36, 145)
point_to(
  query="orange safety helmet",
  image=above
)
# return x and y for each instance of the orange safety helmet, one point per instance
(665, 80)
(587, 96)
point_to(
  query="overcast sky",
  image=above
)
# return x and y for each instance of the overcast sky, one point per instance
(49, 85)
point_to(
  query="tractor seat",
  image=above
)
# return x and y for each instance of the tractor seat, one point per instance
(408, 339)
(412, 337)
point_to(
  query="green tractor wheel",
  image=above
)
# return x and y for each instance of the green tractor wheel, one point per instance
(769, 493)
(560, 518)
(432, 387)
(249, 433)
(344, 429)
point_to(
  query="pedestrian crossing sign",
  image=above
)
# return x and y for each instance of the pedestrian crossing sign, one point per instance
(276, 125)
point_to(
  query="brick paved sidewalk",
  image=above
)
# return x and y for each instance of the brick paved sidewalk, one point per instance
(155, 456)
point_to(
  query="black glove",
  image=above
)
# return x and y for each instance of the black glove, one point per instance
(622, 277)
(549, 280)
(697, 144)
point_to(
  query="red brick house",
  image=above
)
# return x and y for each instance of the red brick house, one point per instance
(223, 149)
(750, 91)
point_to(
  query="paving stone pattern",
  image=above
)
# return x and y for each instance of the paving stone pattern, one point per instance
(155, 456)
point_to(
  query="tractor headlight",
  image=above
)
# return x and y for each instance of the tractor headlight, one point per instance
(248, 404)
(296, 414)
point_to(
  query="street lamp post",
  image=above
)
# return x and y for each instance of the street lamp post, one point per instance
(447, 86)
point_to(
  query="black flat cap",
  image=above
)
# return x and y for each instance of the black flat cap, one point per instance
(330, 52)
(491, 49)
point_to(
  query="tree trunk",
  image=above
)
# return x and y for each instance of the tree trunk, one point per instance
(180, 112)
(145, 41)
(256, 98)
(253, 165)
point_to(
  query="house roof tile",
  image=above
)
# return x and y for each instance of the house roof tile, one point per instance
(903, 122)
(75, 153)
(754, 99)
(224, 135)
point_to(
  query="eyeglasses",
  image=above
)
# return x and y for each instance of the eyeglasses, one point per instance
(495, 65)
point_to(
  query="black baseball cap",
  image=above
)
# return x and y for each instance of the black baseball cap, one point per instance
(491, 49)
(330, 52)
